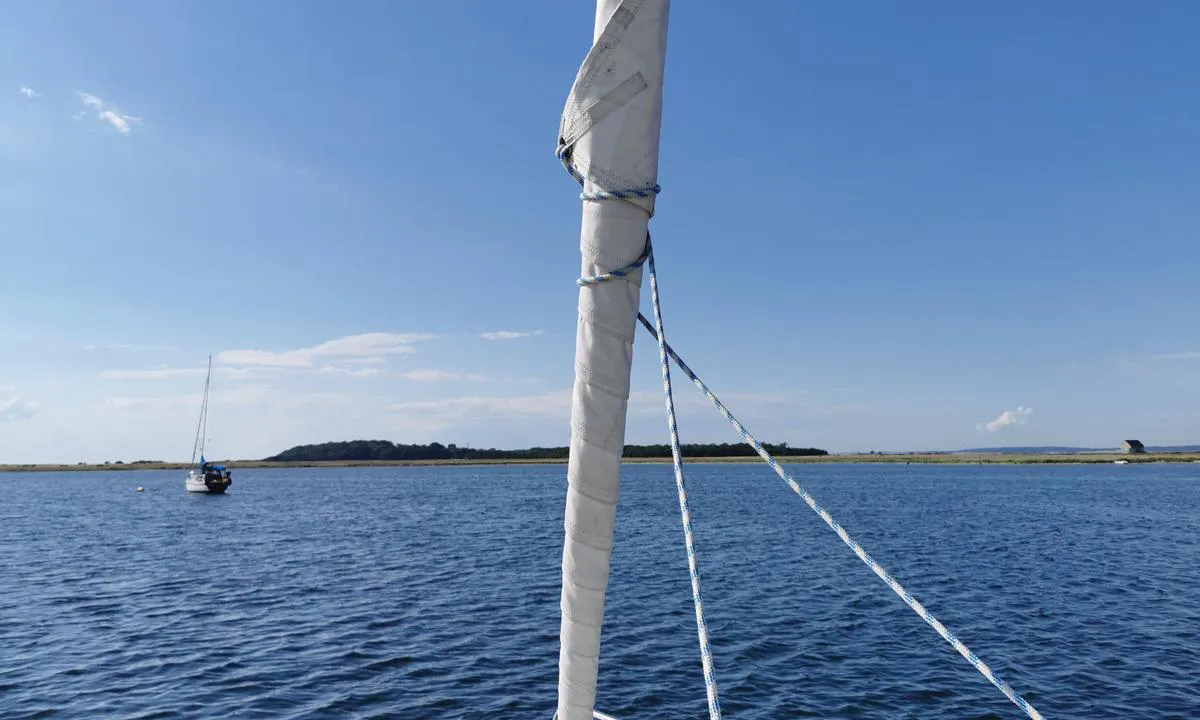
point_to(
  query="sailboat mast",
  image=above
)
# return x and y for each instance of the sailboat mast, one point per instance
(609, 140)
(202, 423)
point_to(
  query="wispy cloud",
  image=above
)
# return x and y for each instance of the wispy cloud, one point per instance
(155, 374)
(121, 122)
(29, 92)
(15, 409)
(1008, 418)
(128, 346)
(352, 367)
(558, 404)
(245, 406)
(352, 348)
(509, 334)
(433, 376)
(242, 396)
(651, 402)
(352, 372)
(1179, 356)
(553, 404)
(166, 373)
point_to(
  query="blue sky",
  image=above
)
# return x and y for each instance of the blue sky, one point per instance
(883, 225)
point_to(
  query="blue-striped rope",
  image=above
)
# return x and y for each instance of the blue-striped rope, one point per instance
(621, 272)
(841, 531)
(685, 511)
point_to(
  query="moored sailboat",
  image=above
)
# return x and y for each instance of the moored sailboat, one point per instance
(206, 477)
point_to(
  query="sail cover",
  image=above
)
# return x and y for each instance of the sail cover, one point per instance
(611, 128)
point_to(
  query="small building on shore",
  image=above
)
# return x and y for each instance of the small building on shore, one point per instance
(1132, 446)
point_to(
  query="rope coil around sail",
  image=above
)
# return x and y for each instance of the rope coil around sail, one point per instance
(685, 511)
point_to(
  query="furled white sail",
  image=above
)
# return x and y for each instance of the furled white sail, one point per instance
(611, 126)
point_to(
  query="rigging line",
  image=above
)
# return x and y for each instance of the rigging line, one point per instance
(870, 562)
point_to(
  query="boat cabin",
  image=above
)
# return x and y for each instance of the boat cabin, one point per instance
(215, 475)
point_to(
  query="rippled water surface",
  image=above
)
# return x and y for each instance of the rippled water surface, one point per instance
(433, 593)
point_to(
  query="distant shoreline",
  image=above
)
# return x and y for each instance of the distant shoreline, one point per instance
(920, 458)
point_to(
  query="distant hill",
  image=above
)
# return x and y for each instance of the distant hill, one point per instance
(384, 450)
(1059, 449)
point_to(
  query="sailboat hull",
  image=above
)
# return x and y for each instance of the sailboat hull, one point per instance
(196, 483)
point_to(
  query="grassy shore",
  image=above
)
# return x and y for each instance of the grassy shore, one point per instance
(940, 458)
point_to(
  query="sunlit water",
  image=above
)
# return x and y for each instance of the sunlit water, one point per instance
(433, 593)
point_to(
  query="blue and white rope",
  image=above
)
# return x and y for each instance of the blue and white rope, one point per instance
(622, 272)
(685, 511)
(564, 155)
(841, 531)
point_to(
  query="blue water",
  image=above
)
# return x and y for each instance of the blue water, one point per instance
(433, 593)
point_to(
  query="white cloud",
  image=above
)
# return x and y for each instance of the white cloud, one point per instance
(554, 404)
(166, 373)
(29, 92)
(430, 376)
(358, 347)
(360, 372)
(15, 409)
(156, 374)
(1008, 418)
(557, 404)
(1179, 356)
(433, 376)
(291, 358)
(128, 346)
(245, 395)
(121, 122)
(509, 334)
(370, 344)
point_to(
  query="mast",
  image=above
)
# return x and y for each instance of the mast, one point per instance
(610, 137)
(202, 423)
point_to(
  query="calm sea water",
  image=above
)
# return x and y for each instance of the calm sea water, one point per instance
(433, 593)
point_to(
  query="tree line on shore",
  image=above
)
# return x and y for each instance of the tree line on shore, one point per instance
(385, 450)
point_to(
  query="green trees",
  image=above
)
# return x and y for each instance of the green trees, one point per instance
(385, 450)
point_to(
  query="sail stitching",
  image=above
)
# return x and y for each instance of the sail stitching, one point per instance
(685, 511)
